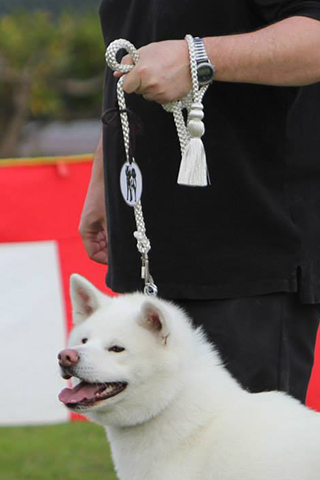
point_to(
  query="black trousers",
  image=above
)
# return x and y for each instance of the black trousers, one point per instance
(266, 341)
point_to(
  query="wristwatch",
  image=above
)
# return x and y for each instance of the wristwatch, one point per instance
(205, 69)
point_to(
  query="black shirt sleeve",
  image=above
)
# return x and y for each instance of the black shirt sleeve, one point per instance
(275, 10)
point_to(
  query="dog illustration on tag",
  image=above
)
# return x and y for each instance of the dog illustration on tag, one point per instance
(131, 183)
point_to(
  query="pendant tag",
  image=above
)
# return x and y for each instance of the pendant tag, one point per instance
(131, 183)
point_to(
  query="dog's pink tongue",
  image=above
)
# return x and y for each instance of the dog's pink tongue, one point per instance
(83, 391)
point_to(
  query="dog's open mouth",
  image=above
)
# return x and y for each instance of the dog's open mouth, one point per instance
(88, 394)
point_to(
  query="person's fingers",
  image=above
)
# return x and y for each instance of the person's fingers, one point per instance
(132, 82)
(148, 97)
(96, 250)
(95, 242)
(101, 257)
(101, 235)
(127, 60)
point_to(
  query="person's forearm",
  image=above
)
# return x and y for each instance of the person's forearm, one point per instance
(286, 53)
(93, 223)
(97, 166)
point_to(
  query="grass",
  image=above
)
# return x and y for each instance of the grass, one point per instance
(74, 451)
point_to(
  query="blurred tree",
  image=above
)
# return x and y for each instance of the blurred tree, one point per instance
(49, 67)
(8, 6)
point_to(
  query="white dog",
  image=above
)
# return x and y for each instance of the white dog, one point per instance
(171, 410)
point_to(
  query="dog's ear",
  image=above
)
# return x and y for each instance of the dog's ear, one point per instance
(85, 298)
(153, 318)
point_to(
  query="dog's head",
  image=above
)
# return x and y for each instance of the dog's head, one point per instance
(128, 355)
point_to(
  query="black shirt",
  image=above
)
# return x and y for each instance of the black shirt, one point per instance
(256, 229)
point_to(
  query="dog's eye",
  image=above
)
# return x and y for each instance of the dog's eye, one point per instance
(116, 349)
(84, 340)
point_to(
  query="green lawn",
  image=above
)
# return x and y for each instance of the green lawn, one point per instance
(74, 451)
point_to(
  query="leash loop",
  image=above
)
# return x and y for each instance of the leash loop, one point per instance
(114, 48)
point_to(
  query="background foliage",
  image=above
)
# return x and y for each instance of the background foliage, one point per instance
(51, 66)
(7, 6)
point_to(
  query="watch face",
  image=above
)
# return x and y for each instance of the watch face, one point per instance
(205, 73)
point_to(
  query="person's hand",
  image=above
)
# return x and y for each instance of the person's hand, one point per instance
(93, 224)
(162, 73)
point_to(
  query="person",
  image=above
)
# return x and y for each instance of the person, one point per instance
(240, 256)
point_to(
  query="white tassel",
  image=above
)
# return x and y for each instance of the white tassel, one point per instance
(193, 169)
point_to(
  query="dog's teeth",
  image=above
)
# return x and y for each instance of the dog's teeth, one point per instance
(109, 388)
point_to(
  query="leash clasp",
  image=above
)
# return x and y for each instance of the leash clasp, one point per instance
(150, 288)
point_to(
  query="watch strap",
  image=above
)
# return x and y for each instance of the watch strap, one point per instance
(202, 60)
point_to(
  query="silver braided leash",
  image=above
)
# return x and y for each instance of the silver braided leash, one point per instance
(189, 135)
(143, 243)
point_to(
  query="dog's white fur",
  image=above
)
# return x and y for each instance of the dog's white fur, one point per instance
(182, 415)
